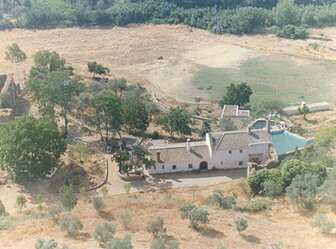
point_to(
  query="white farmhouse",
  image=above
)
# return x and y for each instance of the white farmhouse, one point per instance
(224, 150)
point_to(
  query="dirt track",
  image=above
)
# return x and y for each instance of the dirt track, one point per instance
(133, 52)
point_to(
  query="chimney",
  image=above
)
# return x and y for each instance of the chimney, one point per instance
(188, 145)
(268, 126)
(249, 129)
(158, 157)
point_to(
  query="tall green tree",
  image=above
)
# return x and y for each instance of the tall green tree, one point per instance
(136, 116)
(286, 13)
(55, 88)
(29, 147)
(176, 121)
(95, 68)
(46, 61)
(118, 85)
(237, 95)
(121, 157)
(15, 54)
(109, 109)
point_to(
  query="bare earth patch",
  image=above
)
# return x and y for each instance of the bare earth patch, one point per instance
(134, 52)
(281, 223)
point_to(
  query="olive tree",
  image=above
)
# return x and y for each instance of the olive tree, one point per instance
(30, 146)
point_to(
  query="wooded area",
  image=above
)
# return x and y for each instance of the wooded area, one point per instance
(218, 16)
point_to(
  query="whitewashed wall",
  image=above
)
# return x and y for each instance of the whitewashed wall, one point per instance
(222, 159)
(168, 168)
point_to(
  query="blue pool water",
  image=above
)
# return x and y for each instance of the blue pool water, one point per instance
(285, 142)
(261, 124)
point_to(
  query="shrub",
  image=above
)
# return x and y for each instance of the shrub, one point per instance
(257, 179)
(21, 201)
(2, 209)
(241, 224)
(125, 217)
(124, 243)
(222, 247)
(328, 188)
(323, 223)
(160, 243)
(46, 244)
(291, 168)
(172, 244)
(292, 32)
(253, 206)
(127, 187)
(83, 193)
(49, 244)
(276, 245)
(68, 198)
(40, 200)
(198, 216)
(98, 203)
(155, 226)
(218, 199)
(104, 191)
(104, 232)
(303, 190)
(71, 225)
(53, 212)
(273, 187)
(185, 209)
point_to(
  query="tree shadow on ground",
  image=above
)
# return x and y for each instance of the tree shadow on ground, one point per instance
(82, 236)
(311, 121)
(168, 237)
(252, 239)
(210, 232)
(106, 215)
(22, 106)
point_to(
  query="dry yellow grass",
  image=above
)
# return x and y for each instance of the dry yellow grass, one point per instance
(133, 52)
(280, 223)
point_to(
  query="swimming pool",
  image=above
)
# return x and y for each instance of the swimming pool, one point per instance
(285, 142)
(261, 124)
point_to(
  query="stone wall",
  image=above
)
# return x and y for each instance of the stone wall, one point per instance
(8, 87)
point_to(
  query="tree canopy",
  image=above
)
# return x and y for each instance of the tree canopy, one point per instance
(136, 116)
(218, 16)
(95, 68)
(15, 54)
(24, 150)
(237, 95)
(177, 120)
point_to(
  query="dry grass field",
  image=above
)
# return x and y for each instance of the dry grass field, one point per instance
(195, 62)
(280, 223)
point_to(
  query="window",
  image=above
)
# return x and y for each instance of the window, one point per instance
(240, 163)
(241, 151)
(221, 162)
(174, 166)
(162, 166)
(190, 166)
(230, 152)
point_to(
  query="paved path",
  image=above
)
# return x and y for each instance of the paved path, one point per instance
(165, 181)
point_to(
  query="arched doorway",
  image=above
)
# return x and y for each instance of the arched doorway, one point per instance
(203, 166)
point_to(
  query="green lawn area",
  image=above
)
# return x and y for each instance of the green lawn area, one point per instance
(283, 77)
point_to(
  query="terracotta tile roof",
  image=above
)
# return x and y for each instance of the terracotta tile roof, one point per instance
(233, 111)
(178, 153)
(235, 140)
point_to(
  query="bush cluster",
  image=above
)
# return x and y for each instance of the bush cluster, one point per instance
(272, 182)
